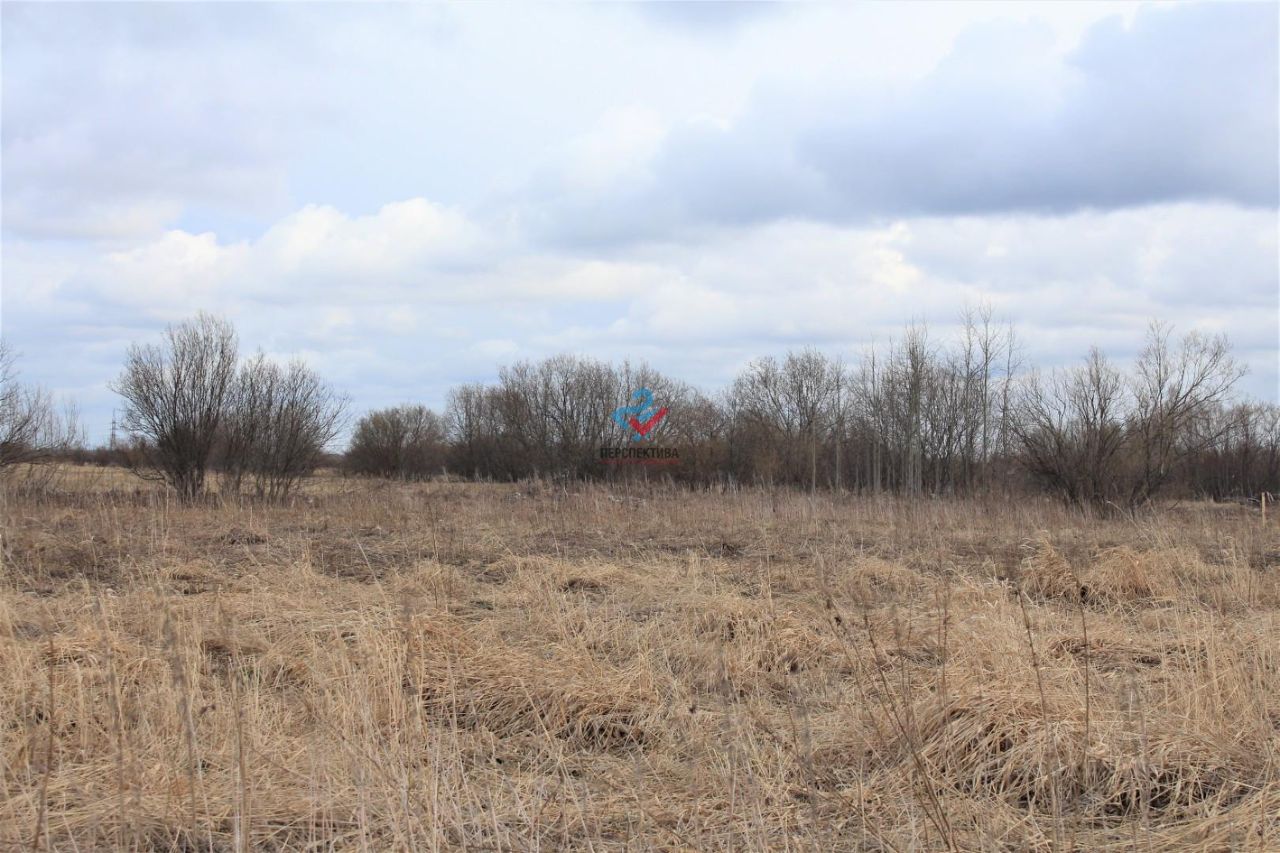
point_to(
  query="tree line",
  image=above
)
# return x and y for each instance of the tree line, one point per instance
(913, 416)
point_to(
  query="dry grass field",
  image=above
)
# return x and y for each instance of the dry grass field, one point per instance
(483, 667)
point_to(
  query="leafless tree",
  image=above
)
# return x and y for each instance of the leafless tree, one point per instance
(1072, 431)
(175, 396)
(1234, 453)
(893, 403)
(1176, 391)
(404, 442)
(245, 422)
(278, 422)
(552, 415)
(1109, 440)
(786, 414)
(549, 418)
(32, 428)
(474, 432)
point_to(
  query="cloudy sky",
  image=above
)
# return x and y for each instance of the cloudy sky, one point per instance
(410, 196)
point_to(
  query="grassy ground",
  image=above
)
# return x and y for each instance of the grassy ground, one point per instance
(489, 667)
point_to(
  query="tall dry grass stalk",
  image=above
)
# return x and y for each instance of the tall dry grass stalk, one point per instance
(447, 666)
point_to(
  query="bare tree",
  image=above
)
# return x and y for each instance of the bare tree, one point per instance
(1102, 438)
(175, 397)
(786, 413)
(277, 425)
(32, 429)
(1175, 391)
(245, 421)
(549, 418)
(1071, 428)
(473, 431)
(405, 442)
(1234, 453)
(895, 406)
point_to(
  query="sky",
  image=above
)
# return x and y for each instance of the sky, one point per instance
(409, 196)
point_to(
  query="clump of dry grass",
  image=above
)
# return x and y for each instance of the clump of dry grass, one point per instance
(444, 666)
(514, 692)
(1046, 573)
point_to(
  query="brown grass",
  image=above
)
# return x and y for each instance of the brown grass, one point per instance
(488, 667)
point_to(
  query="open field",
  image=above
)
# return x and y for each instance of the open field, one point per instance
(498, 667)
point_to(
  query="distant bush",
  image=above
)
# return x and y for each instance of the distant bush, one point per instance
(404, 442)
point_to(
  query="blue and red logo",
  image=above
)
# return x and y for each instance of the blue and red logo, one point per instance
(640, 420)
(641, 417)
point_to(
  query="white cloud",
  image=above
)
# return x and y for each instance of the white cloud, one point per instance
(320, 241)
(410, 299)
(622, 143)
(412, 194)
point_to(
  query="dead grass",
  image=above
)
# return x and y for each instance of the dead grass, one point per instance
(452, 666)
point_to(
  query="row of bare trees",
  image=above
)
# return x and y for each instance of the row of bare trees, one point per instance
(550, 418)
(913, 416)
(910, 417)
